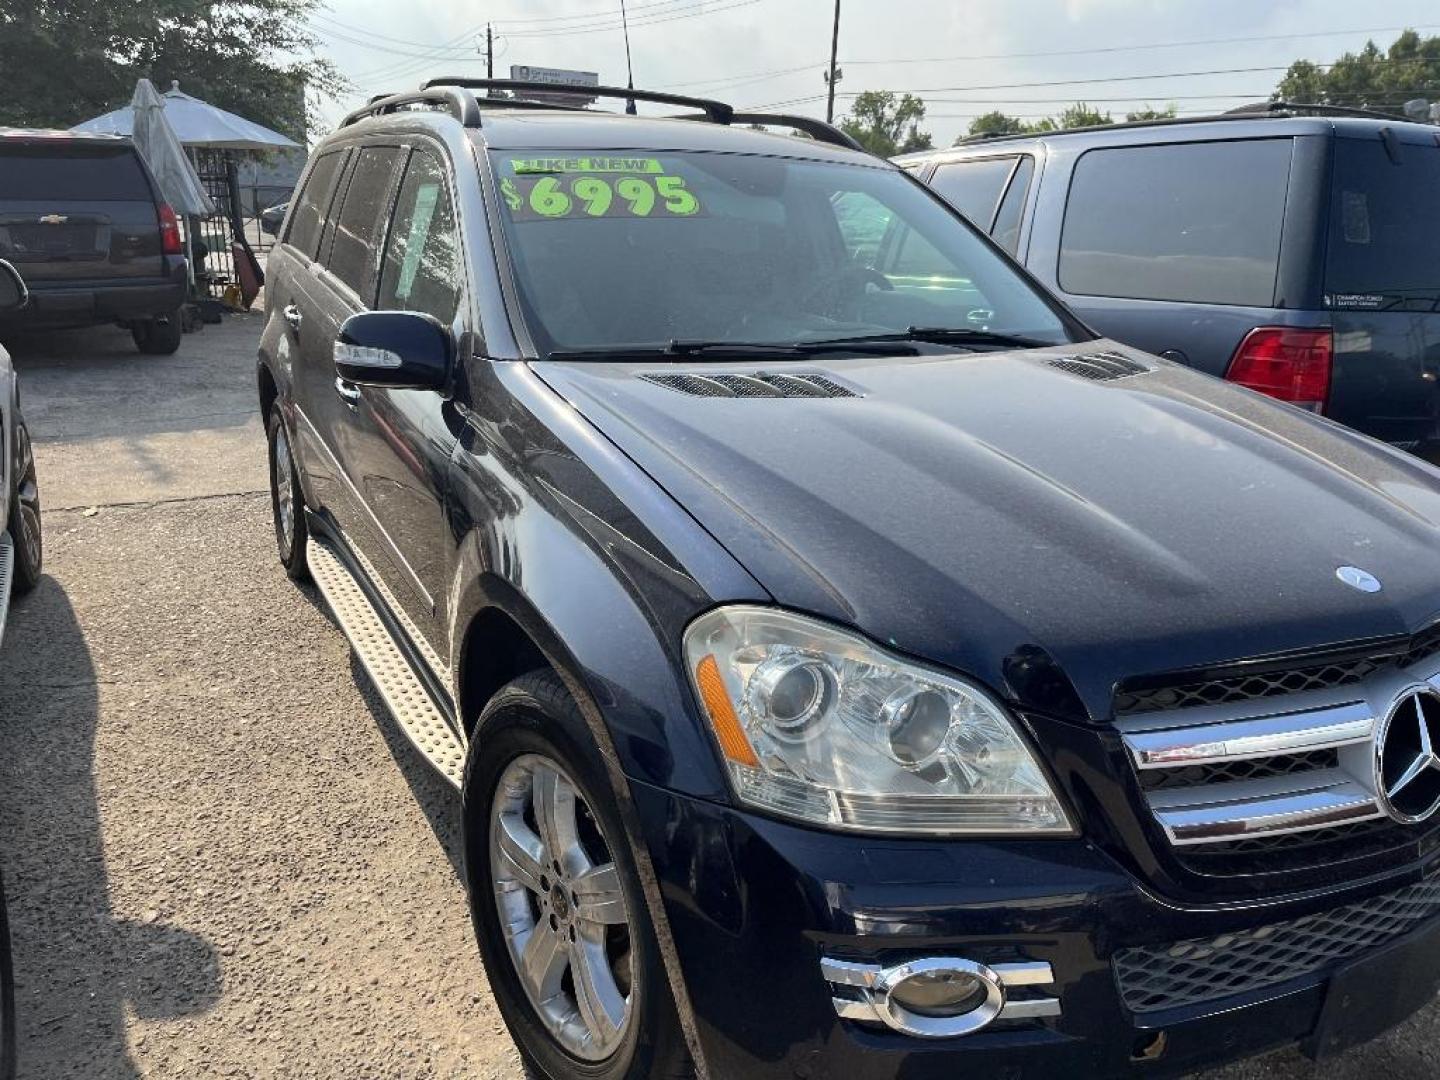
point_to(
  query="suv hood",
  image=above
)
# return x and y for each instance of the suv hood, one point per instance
(1046, 532)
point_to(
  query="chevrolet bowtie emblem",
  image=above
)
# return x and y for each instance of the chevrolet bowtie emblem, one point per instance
(54, 219)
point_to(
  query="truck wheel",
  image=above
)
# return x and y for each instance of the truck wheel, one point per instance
(561, 920)
(24, 515)
(159, 336)
(8, 1036)
(287, 501)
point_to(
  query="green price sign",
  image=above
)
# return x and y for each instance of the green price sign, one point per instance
(565, 196)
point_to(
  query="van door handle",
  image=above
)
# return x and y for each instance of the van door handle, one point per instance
(348, 391)
(293, 317)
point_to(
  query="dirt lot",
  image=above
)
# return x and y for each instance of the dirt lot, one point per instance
(222, 858)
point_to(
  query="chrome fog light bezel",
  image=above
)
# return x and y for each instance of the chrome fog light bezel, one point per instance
(900, 1018)
(870, 988)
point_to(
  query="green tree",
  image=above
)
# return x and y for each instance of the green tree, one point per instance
(66, 62)
(1082, 115)
(1169, 112)
(1372, 78)
(886, 125)
(995, 123)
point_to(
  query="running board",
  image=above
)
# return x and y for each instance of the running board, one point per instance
(409, 702)
(7, 577)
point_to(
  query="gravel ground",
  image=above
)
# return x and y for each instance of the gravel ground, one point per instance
(223, 859)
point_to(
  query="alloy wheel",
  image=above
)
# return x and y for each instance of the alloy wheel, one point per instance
(561, 907)
(28, 499)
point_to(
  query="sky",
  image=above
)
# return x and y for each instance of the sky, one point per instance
(964, 57)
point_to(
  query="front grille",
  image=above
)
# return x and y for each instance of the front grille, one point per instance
(1247, 687)
(1210, 969)
(752, 384)
(1244, 769)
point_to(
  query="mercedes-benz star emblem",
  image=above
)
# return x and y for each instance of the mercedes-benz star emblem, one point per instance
(1358, 579)
(1407, 767)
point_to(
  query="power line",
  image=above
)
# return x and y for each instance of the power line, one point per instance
(1134, 48)
(609, 12)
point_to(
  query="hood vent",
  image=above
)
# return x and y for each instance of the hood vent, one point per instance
(753, 384)
(1099, 367)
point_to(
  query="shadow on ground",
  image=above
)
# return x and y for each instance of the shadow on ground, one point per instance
(78, 969)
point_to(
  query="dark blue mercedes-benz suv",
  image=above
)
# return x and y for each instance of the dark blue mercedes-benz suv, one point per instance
(849, 671)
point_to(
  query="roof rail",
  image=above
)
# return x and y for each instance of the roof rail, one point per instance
(818, 130)
(1265, 108)
(716, 111)
(460, 102)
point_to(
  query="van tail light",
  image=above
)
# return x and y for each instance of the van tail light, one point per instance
(169, 231)
(1286, 363)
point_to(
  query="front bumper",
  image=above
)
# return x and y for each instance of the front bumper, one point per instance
(755, 904)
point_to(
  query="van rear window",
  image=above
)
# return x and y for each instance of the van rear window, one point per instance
(71, 173)
(1384, 224)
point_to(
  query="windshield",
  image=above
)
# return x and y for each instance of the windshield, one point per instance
(1384, 225)
(611, 250)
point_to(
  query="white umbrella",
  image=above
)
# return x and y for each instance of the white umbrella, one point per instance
(160, 147)
(196, 123)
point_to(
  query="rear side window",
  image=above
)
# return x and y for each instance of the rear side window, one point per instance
(974, 187)
(422, 268)
(65, 173)
(307, 220)
(1196, 222)
(1012, 207)
(1384, 224)
(358, 225)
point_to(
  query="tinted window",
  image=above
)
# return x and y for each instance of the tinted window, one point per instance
(47, 174)
(422, 260)
(1384, 221)
(973, 187)
(1198, 222)
(611, 250)
(357, 228)
(308, 217)
(1007, 220)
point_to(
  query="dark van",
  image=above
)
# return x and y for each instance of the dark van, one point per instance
(1296, 255)
(83, 221)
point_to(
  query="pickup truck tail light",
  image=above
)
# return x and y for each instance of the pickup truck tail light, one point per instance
(169, 231)
(1286, 363)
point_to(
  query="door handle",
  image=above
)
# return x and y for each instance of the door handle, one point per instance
(348, 391)
(293, 317)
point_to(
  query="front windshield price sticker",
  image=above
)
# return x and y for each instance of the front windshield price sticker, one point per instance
(553, 189)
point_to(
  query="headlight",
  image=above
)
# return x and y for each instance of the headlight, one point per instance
(820, 725)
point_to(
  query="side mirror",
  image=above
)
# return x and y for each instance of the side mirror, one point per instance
(13, 293)
(403, 350)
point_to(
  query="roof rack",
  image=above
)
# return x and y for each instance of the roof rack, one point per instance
(1265, 108)
(818, 130)
(716, 111)
(459, 101)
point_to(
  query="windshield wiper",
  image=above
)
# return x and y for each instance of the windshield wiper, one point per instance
(679, 348)
(948, 335)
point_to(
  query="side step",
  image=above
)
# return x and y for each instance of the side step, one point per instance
(411, 705)
(7, 577)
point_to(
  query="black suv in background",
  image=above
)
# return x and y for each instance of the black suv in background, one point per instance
(851, 666)
(82, 219)
(1296, 255)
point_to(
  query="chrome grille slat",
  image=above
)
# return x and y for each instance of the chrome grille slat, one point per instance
(1264, 765)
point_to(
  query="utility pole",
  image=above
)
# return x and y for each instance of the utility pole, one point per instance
(489, 52)
(833, 75)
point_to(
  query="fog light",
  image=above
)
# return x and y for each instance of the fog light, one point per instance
(955, 997)
(939, 994)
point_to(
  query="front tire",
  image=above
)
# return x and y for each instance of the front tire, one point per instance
(561, 920)
(287, 501)
(24, 516)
